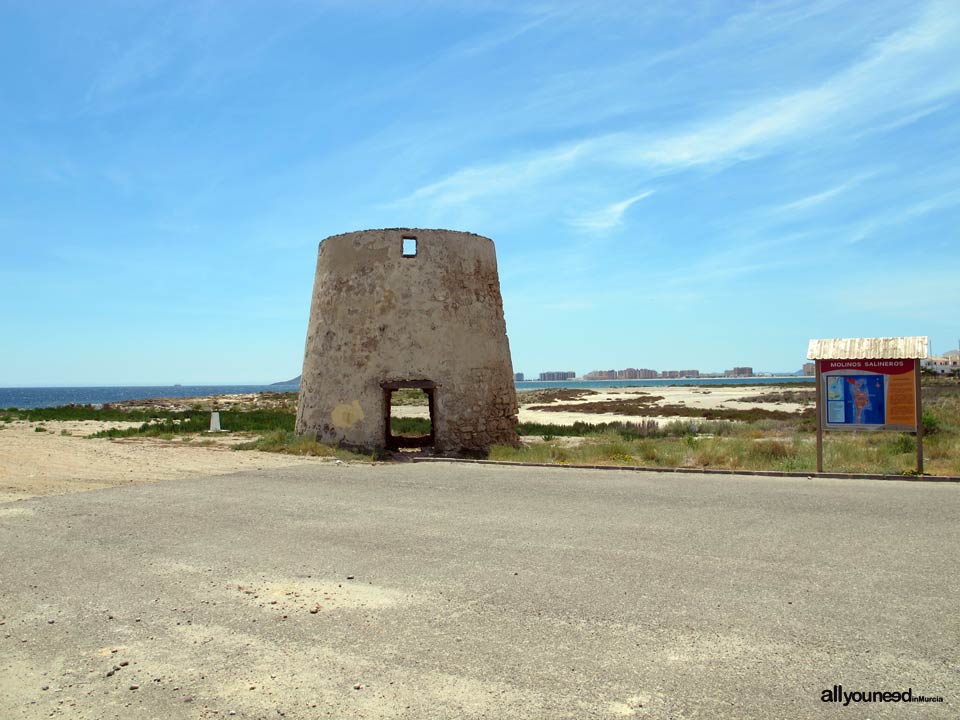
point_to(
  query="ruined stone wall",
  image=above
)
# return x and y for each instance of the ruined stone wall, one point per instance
(378, 317)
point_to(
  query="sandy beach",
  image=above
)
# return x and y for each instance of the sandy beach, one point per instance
(61, 458)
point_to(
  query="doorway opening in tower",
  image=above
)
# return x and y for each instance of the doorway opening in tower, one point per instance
(404, 424)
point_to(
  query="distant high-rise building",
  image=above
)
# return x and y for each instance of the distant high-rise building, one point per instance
(680, 374)
(809, 369)
(739, 372)
(555, 375)
(518, 377)
(626, 374)
(601, 375)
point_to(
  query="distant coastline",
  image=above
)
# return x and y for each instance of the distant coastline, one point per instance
(663, 382)
(27, 398)
(293, 381)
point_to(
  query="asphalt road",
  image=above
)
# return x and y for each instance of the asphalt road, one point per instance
(462, 591)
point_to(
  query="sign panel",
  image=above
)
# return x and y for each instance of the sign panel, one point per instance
(869, 395)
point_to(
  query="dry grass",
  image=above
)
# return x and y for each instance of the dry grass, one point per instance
(797, 453)
(289, 443)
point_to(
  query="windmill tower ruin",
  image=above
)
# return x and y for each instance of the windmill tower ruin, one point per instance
(407, 308)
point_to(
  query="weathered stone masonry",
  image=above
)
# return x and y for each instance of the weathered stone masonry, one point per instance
(379, 317)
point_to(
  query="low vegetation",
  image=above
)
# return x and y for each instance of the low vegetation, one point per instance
(409, 427)
(754, 441)
(105, 413)
(742, 450)
(409, 396)
(252, 421)
(802, 397)
(648, 407)
(289, 443)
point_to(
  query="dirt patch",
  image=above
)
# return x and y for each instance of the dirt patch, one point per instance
(209, 670)
(315, 596)
(61, 458)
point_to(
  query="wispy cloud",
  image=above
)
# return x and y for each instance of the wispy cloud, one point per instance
(906, 71)
(502, 178)
(809, 201)
(903, 75)
(135, 66)
(186, 48)
(900, 216)
(501, 36)
(609, 216)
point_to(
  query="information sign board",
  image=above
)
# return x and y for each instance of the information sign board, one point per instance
(869, 395)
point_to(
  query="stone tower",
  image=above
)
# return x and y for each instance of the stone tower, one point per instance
(407, 308)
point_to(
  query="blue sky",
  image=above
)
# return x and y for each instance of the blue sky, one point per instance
(669, 185)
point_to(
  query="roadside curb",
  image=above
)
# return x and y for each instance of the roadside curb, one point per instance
(701, 471)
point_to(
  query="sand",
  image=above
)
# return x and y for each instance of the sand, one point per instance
(48, 463)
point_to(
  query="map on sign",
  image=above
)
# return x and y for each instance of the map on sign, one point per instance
(863, 400)
(856, 400)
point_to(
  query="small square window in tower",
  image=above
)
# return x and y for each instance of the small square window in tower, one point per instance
(409, 247)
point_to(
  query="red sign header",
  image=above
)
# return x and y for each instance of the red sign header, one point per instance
(887, 367)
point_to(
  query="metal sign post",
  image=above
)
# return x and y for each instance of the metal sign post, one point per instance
(819, 421)
(919, 414)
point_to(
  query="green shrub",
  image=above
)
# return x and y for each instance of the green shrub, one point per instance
(721, 428)
(680, 428)
(646, 450)
(903, 443)
(410, 426)
(931, 423)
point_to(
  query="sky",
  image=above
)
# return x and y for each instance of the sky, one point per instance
(669, 185)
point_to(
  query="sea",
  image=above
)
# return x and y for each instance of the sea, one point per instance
(26, 398)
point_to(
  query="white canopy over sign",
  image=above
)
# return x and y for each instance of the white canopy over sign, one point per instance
(887, 348)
